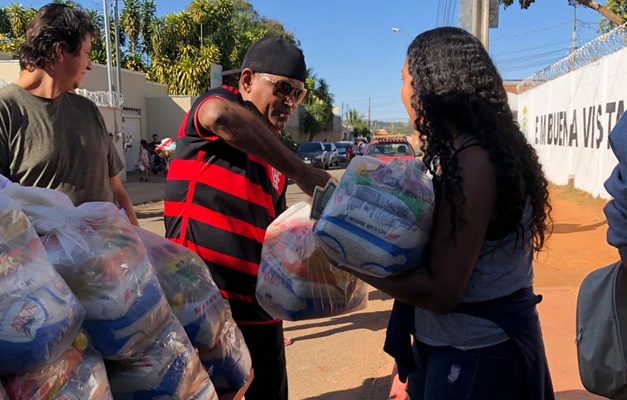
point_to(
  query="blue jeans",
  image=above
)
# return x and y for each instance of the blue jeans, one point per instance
(446, 373)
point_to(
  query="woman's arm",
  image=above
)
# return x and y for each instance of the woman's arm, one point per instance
(439, 285)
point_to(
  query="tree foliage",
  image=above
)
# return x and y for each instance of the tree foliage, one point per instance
(178, 49)
(613, 11)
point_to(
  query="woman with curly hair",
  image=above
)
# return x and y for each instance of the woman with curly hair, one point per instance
(470, 307)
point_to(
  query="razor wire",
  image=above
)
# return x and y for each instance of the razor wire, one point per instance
(592, 51)
(100, 97)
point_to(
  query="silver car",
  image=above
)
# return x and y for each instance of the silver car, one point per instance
(334, 155)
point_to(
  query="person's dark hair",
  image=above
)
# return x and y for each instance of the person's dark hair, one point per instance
(54, 25)
(458, 89)
(155, 136)
(144, 143)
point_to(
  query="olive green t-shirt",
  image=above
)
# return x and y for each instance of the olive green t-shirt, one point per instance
(60, 143)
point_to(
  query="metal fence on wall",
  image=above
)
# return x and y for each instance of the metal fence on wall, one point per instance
(592, 51)
(100, 97)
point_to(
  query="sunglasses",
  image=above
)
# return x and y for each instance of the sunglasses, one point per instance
(284, 88)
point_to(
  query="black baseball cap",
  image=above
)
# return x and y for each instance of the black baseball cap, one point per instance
(277, 56)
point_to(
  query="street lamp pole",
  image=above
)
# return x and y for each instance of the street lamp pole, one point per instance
(400, 30)
(105, 7)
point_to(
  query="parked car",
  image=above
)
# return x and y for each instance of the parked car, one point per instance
(334, 155)
(343, 148)
(386, 149)
(313, 153)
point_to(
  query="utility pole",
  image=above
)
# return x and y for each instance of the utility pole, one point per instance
(105, 7)
(118, 60)
(368, 114)
(485, 24)
(573, 40)
(476, 18)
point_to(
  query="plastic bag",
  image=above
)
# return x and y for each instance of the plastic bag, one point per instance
(95, 249)
(167, 369)
(229, 363)
(193, 296)
(76, 374)
(40, 314)
(296, 280)
(90, 381)
(379, 218)
(166, 148)
(105, 263)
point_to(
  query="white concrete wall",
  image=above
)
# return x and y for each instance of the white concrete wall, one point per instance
(568, 120)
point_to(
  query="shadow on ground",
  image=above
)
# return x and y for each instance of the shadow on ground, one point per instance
(373, 321)
(572, 228)
(372, 388)
(149, 214)
(576, 395)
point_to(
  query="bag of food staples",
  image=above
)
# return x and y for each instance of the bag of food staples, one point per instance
(296, 281)
(379, 218)
(193, 296)
(167, 369)
(40, 314)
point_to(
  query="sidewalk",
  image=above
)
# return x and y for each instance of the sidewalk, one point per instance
(144, 192)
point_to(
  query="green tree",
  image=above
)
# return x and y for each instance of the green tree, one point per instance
(618, 7)
(130, 23)
(608, 10)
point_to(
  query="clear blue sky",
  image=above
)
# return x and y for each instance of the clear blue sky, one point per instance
(350, 43)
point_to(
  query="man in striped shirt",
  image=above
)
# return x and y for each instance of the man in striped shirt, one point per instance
(227, 183)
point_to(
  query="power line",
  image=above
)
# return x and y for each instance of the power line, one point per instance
(534, 31)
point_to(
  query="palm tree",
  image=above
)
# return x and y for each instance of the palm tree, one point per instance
(199, 11)
(147, 26)
(18, 19)
(130, 21)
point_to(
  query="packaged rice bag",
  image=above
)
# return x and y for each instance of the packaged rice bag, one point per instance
(39, 314)
(228, 363)
(167, 369)
(95, 249)
(379, 218)
(79, 373)
(296, 281)
(192, 294)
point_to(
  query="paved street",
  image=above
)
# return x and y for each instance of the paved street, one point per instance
(341, 358)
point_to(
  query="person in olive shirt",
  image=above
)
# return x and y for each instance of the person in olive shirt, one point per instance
(49, 136)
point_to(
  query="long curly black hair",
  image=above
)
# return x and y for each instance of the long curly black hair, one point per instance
(458, 89)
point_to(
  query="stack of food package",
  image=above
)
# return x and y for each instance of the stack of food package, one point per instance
(196, 302)
(379, 218)
(42, 352)
(126, 314)
(296, 280)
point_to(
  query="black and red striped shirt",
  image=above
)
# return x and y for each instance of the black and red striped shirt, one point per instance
(219, 202)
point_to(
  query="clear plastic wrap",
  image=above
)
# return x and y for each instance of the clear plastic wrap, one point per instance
(79, 373)
(194, 298)
(229, 363)
(379, 218)
(167, 369)
(40, 316)
(296, 280)
(95, 249)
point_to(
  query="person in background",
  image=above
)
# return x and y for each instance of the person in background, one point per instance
(49, 136)
(155, 160)
(470, 307)
(143, 162)
(227, 183)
